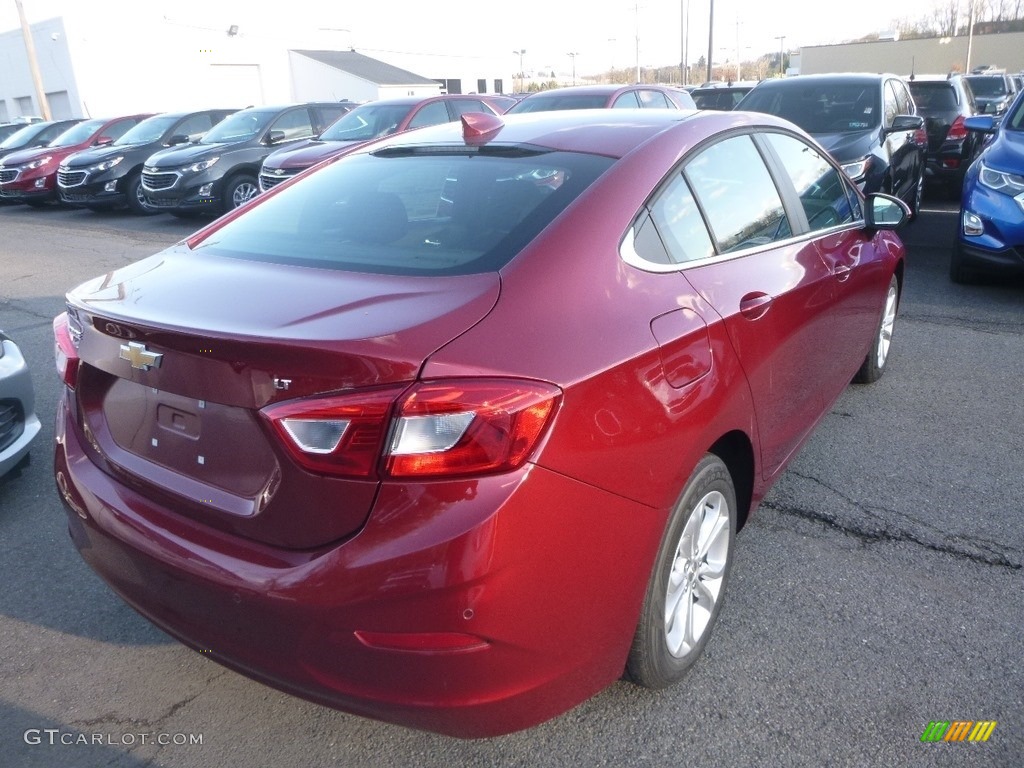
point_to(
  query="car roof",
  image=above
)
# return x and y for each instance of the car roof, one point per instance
(832, 77)
(609, 132)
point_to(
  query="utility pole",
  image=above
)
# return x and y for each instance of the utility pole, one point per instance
(970, 38)
(573, 56)
(33, 64)
(782, 55)
(711, 38)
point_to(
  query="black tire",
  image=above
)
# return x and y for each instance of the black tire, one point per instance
(136, 198)
(917, 197)
(663, 650)
(239, 190)
(874, 364)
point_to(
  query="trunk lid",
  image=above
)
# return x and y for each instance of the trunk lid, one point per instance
(233, 336)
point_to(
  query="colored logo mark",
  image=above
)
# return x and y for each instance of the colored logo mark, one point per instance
(958, 730)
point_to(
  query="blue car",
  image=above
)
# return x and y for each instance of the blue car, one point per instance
(990, 238)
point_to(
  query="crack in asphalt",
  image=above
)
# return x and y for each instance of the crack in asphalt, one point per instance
(971, 324)
(977, 550)
(112, 719)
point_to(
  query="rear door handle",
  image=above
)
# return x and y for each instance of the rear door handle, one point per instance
(842, 272)
(755, 305)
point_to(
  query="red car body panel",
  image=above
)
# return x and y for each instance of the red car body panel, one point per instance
(456, 604)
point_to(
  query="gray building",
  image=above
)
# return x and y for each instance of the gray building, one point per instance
(930, 55)
(337, 75)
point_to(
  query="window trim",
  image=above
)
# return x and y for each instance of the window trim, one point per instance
(788, 194)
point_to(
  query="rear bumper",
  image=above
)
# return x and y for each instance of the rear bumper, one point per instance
(518, 565)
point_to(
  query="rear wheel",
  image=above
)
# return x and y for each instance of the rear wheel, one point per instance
(917, 197)
(874, 364)
(688, 582)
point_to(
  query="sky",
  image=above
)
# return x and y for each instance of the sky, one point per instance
(602, 33)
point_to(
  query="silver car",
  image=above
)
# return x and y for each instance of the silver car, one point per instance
(19, 424)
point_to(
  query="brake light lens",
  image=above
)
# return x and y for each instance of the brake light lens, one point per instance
(340, 435)
(957, 131)
(468, 427)
(64, 351)
(444, 428)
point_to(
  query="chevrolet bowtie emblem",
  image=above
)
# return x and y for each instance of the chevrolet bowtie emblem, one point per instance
(139, 356)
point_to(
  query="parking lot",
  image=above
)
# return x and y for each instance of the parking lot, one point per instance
(877, 588)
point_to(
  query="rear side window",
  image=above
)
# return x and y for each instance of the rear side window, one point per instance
(654, 100)
(434, 113)
(731, 183)
(438, 211)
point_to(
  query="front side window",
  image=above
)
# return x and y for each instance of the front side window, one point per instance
(418, 211)
(434, 113)
(147, 131)
(240, 126)
(294, 125)
(77, 134)
(824, 194)
(732, 184)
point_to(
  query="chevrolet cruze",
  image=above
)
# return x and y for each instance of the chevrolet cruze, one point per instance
(459, 428)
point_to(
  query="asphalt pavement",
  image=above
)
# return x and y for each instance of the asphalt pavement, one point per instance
(877, 589)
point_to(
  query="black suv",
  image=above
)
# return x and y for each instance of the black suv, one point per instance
(945, 102)
(867, 122)
(111, 176)
(993, 92)
(219, 172)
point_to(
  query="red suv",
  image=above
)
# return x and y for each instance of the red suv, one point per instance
(31, 176)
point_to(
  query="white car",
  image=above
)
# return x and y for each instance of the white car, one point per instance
(19, 424)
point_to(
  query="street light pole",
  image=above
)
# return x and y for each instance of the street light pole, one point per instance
(711, 37)
(782, 55)
(572, 55)
(520, 53)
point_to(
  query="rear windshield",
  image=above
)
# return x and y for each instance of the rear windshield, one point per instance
(934, 97)
(820, 107)
(441, 211)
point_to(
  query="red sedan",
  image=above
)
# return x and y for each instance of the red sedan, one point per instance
(459, 428)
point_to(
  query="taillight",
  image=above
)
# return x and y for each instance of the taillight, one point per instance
(469, 426)
(957, 131)
(432, 429)
(340, 435)
(64, 351)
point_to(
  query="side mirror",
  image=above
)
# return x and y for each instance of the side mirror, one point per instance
(902, 123)
(176, 139)
(103, 141)
(885, 212)
(275, 137)
(980, 123)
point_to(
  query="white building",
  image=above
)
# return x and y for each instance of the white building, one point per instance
(142, 61)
